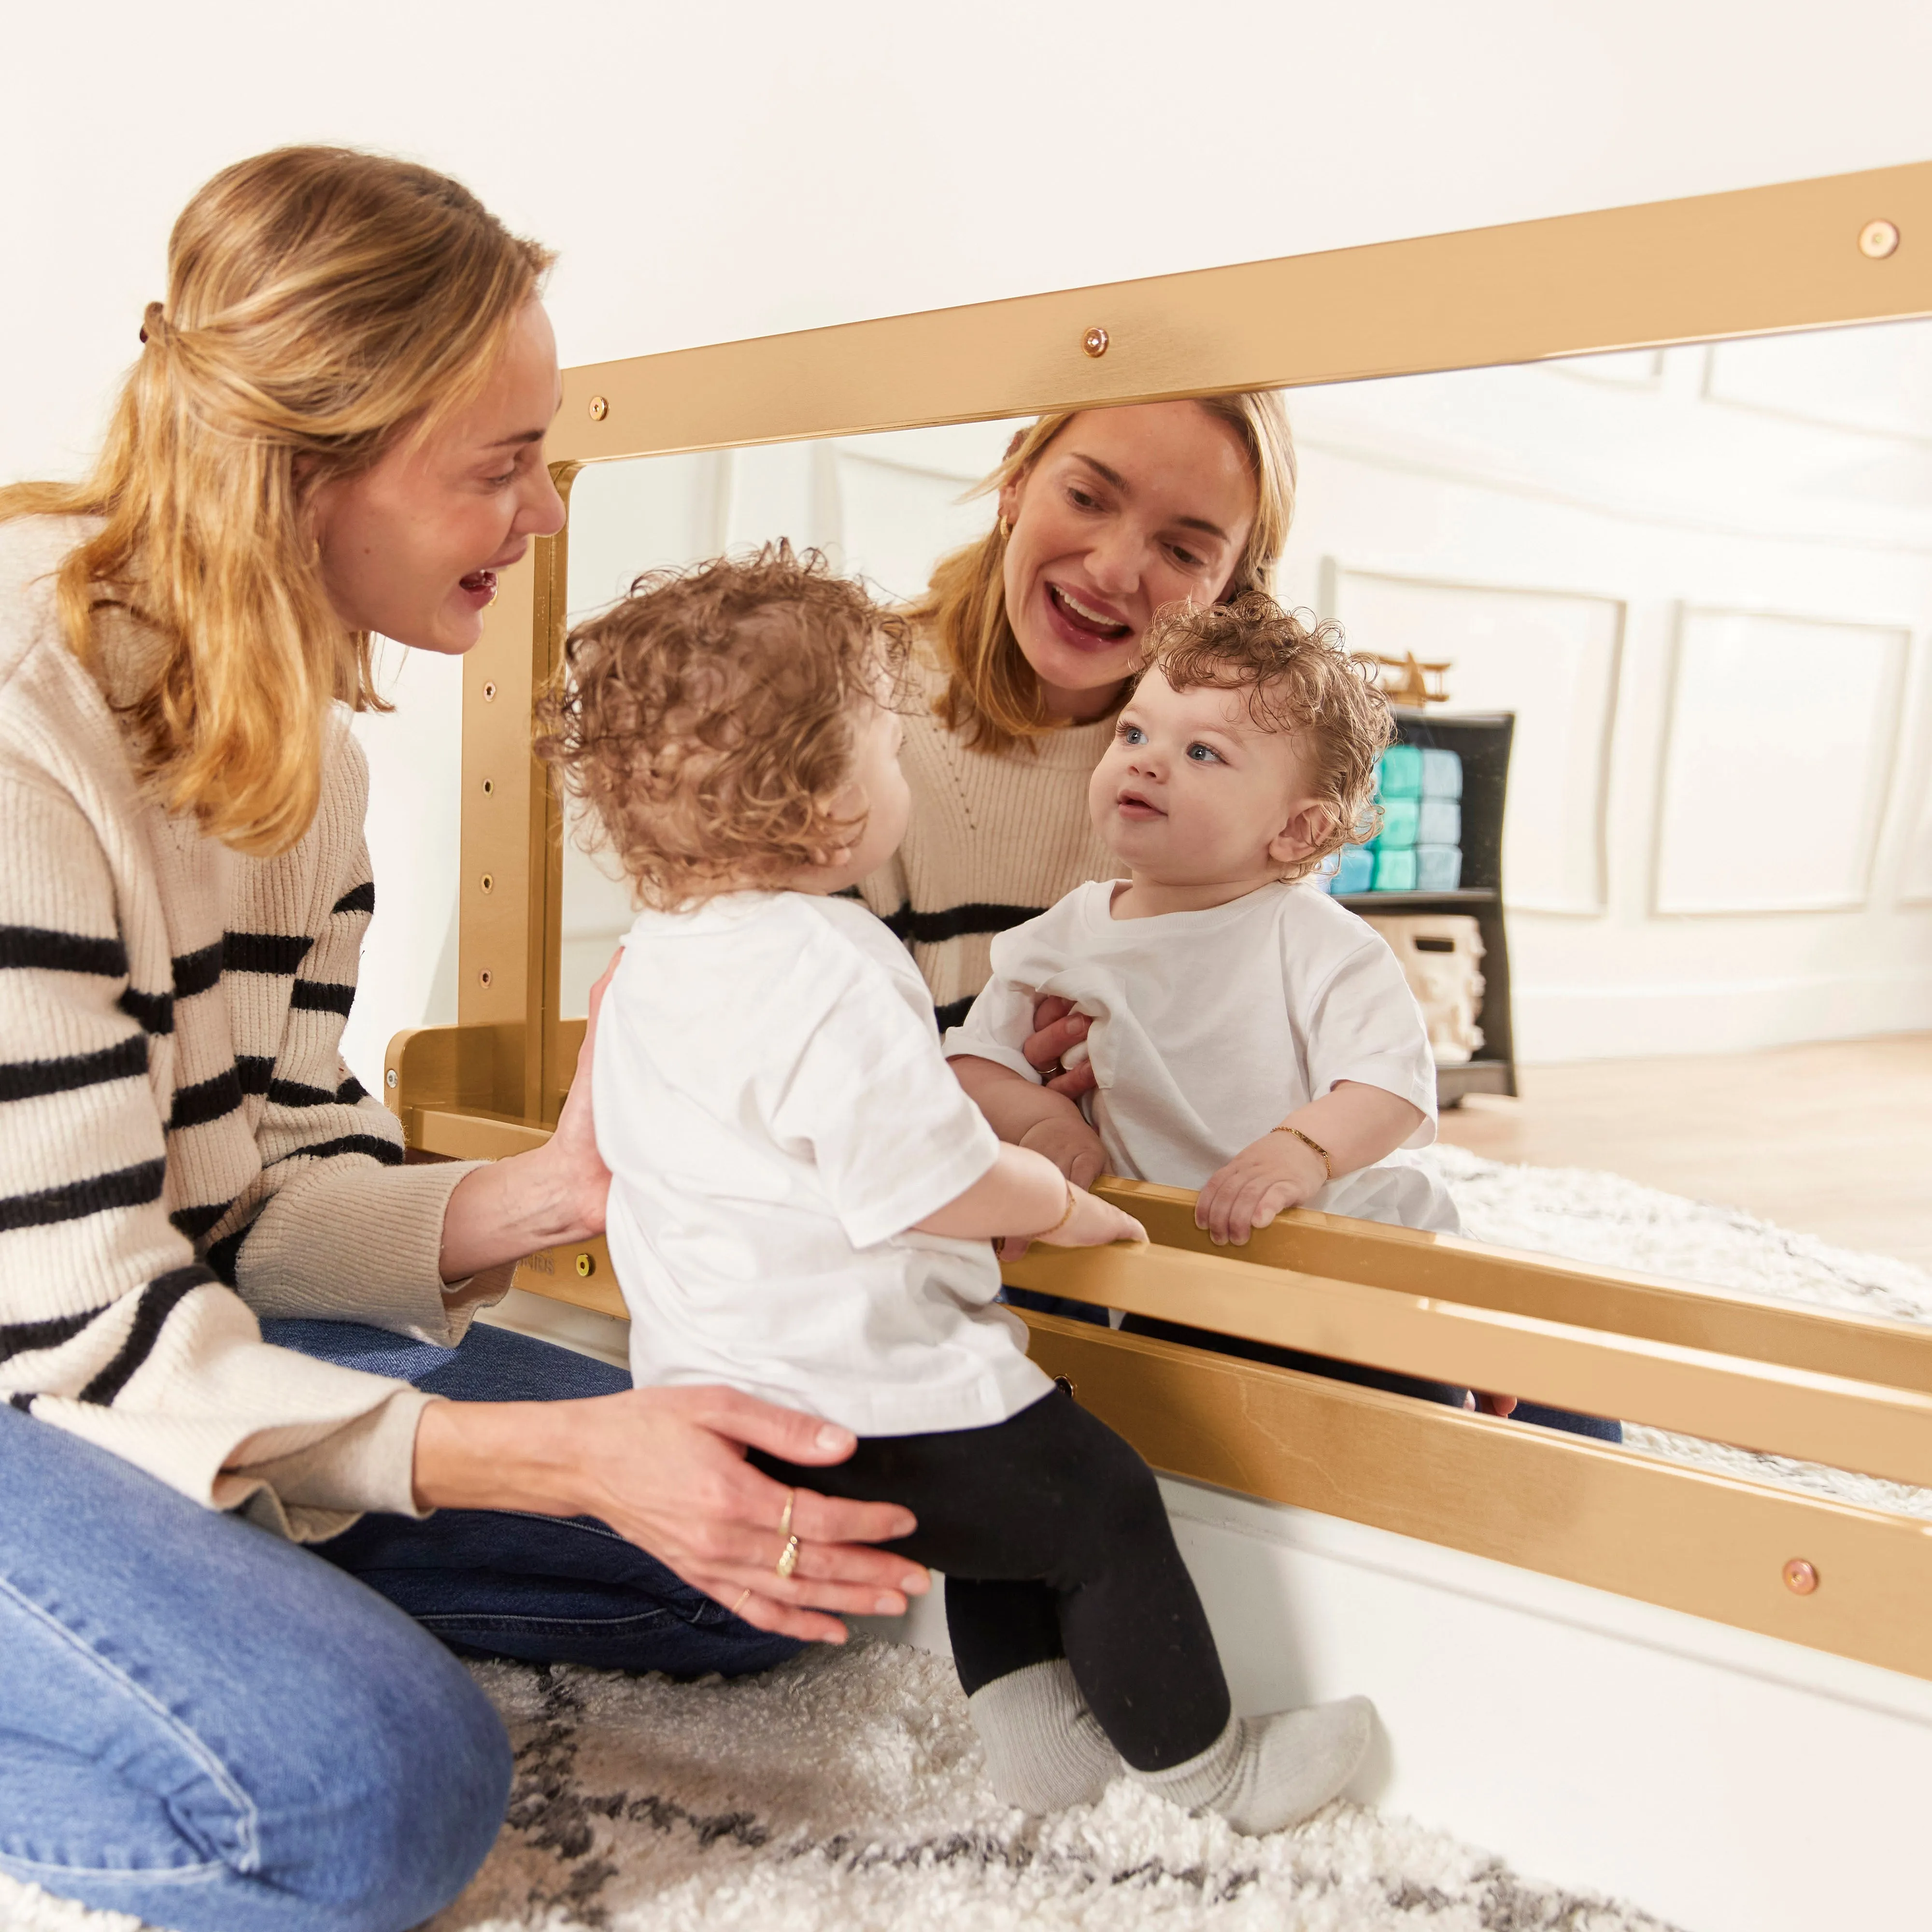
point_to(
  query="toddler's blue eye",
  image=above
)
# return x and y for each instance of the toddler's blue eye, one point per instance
(1132, 734)
(1200, 754)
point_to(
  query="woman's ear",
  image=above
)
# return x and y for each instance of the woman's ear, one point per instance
(1308, 827)
(1008, 499)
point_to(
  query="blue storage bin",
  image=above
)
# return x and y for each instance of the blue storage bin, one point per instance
(1395, 870)
(1402, 821)
(1356, 871)
(1439, 868)
(1439, 822)
(1442, 775)
(1398, 773)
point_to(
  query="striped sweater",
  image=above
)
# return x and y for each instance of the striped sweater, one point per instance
(182, 1149)
(991, 841)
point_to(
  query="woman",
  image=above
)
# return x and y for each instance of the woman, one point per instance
(335, 428)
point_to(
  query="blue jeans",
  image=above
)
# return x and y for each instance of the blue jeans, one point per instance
(216, 1731)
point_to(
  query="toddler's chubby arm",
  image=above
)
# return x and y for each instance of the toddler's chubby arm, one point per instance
(1023, 1197)
(1034, 1117)
(1356, 1123)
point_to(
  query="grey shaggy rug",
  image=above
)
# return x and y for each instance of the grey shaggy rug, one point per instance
(845, 1793)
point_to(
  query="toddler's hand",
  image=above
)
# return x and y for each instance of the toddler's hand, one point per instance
(1072, 1146)
(1093, 1224)
(1266, 1178)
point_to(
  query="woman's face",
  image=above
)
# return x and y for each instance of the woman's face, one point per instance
(1124, 511)
(411, 548)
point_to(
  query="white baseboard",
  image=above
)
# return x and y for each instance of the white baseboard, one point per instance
(1558, 1023)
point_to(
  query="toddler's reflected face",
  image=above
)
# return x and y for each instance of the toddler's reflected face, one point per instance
(1192, 792)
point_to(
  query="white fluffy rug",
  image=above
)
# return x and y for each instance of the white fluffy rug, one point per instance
(843, 1793)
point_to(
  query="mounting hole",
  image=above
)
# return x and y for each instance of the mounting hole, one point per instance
(488, 882)
(483, 976)
(586, 1265)
(389, 1079)
(490, 691)
(489, 786)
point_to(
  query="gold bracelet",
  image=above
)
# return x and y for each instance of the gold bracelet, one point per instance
(1072, 1202)
(1314, 1146)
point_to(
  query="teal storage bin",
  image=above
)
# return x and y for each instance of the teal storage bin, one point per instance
(1398, 773)
(1356, 871)
(1440, 822)
(1439, 868)
(1395, 870)
(1402, 821)
(1441, 774)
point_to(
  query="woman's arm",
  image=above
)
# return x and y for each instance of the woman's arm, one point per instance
(666, 1468)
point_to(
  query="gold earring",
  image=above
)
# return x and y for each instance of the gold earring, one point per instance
(1004, 532)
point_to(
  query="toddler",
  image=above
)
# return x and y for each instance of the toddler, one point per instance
(802, 1196)
(1250, 1038)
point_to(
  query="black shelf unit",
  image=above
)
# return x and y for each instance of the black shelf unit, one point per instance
(1483, 740)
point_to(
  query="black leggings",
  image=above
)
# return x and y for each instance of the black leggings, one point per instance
(1055, 1543)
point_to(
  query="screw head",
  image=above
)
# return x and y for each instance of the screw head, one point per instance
(389, 1079)
(1801, 1578)
(1878, 239)
(489, 692)
(1095, 340)
(600, 408)
(483, 978)
(586, 1265)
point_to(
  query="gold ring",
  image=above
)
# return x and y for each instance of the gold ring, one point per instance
(740, 1604)
(788, 1558)
(785, 1521)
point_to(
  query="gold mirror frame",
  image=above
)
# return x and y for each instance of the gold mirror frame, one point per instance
(1851, 1391)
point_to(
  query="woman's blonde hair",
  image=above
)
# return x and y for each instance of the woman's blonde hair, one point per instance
(323, 304)
(992, 696)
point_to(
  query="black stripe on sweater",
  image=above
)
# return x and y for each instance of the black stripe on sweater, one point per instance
(34, 945)
(357, 898)
(352, 1092)
(28, 1079)
(125, 1187)
(197, 972)
(374, 1145)
(195, 1221)
(265, 951)
(223, 1257)
(321, 996)
(953, 1013)
(254, 1071)
(155, 1011)
(206, 1100)
(293, 1094)
(159, 1300)
(25, 1338)
(934, 928)
(21, 1400)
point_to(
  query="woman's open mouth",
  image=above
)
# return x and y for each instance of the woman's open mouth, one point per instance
(1085, 628)
(480, 584)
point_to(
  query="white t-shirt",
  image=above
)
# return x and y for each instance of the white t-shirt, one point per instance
(771, 1103)
(1210, 1027)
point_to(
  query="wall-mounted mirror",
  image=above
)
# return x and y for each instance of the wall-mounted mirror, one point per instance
(1699, 580)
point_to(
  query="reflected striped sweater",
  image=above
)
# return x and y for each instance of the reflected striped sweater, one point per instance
(991, 841)
(182, 1149)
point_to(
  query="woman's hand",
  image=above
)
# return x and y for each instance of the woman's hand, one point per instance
(554, 1194)
(665, 1467)
(1266, 1178)
(1056, 1028)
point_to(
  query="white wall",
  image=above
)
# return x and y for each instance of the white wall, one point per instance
(712, 172)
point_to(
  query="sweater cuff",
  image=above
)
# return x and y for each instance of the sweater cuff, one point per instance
(367, 1465)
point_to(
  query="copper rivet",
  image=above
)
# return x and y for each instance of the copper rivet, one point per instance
(586, 1265)
(483, 976)
(1095, 340)
(1800, 1578)
(488, 882)
(600, 408)
(389, 1077)
(489, 692)
(489, 786)
(1878, 239)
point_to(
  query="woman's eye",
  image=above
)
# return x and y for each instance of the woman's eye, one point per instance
(1187, 558)
(1081, 500)
(508, 477)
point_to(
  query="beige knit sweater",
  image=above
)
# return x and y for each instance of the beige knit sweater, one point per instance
(992, 841)
(181, 1147)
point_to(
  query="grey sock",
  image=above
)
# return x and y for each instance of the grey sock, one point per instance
(1044, 1749)
(1262, 1773)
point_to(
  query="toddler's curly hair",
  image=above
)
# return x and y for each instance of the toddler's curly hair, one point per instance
(1297, 675)
(706, 718)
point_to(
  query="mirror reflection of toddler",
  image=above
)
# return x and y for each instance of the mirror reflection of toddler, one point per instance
(1250, 1038)
(802, 1196)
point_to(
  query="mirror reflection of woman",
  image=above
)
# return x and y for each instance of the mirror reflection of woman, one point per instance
(236, 1357)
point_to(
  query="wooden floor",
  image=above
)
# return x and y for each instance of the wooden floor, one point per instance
(1833, 1138)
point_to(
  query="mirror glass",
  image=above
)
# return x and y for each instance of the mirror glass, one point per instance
(1680, 600)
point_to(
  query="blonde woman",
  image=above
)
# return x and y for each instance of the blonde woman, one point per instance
(1104, 517)
(335, 428)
